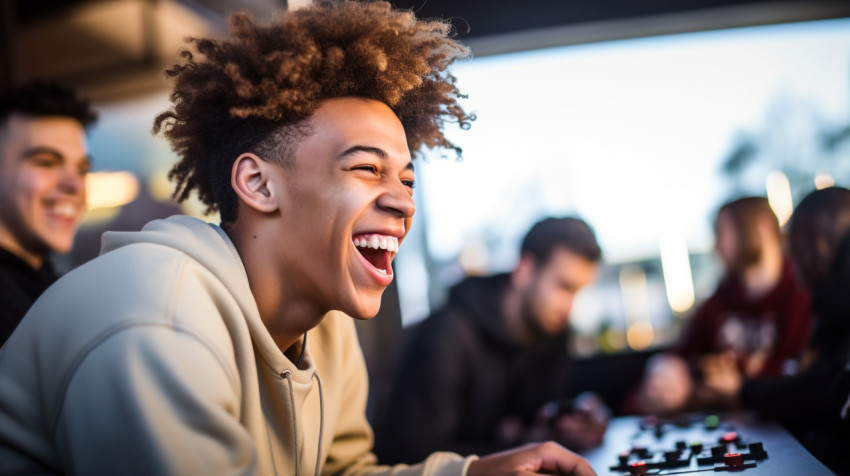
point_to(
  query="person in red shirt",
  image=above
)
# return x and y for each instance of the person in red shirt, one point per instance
(758, 314)
(814, 402)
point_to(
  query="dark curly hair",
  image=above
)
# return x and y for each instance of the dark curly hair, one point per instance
(254, 91)
(43, 97)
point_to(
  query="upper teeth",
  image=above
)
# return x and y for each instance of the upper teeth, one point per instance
(65, 209)
(382, 242)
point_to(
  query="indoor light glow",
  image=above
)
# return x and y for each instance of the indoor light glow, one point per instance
(823, 181)
(110, 189)
(676, 266)
(779, 196)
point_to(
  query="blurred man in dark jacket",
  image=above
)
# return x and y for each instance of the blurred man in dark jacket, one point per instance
(491, 369)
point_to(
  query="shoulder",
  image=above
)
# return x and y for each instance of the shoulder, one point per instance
(136, 283)
(447, 323)
(123, 293)
(721, 299)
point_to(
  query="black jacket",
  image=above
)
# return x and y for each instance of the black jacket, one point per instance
(20, 286)
(814, 403)
(462, 373)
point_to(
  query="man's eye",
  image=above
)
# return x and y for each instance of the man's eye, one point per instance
(409, 183)
(368, 168)
(44, 161)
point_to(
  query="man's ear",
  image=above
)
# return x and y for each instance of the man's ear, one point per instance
(523, 273)
(249, 178)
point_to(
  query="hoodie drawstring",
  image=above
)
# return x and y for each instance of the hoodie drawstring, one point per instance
(321, 421)
(288, 376)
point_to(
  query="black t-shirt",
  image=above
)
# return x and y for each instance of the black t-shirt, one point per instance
(20, 286)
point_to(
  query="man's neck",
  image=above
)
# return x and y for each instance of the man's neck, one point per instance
(285, 316)
(512, 311)
(34, 260)
(762, 277)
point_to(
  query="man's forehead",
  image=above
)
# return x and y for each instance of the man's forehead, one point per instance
(339, 108)
(354, 123)
(45, 128)
(22, 136)
(564, 260)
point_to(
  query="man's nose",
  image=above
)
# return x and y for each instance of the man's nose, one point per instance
(72, 181)
(397, 199)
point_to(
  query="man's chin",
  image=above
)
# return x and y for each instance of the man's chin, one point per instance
(545, 332)
(366, 312)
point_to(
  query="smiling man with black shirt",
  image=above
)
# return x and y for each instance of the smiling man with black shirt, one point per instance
(43, 163)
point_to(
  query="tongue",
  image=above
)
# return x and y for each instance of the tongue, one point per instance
(378, 258)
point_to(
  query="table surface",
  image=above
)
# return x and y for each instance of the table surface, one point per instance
(785, 455)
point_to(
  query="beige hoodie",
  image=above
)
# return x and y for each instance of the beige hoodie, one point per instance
(152, 360)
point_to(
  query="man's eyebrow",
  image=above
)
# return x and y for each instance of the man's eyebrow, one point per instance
(42, 150)
(364, 148)
(381, 153)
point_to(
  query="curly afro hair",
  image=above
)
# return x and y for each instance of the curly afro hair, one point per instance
(255, 90)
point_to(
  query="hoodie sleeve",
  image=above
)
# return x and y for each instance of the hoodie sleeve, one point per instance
(351, 450)
(131, 407)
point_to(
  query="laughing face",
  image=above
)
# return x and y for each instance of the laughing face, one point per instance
(43, 163)
(349, 194)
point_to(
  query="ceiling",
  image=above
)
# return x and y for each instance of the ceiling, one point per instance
(114, 49)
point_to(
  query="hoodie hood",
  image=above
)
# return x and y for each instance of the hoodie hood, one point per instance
(211, 247)
(479, 300)
(204, 242)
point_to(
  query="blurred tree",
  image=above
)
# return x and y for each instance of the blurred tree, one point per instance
(796, 140)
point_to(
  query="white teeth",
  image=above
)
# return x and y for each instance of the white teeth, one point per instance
(383, 271)
(378, 242)
(65, 210)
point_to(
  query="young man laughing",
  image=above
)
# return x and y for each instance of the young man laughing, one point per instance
(43, 163)
(183, 348)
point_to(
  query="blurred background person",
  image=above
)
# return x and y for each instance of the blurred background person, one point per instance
(814, 402)
(758, 313)
(44, 159)
(491, 369)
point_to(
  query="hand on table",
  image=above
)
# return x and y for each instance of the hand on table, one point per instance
(584, 427)
(667, 385)
(531, 459)
(722, 378)
(578, 431)
(579, 424)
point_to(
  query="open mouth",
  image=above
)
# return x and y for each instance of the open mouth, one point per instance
(63, 210)
(378, 250)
